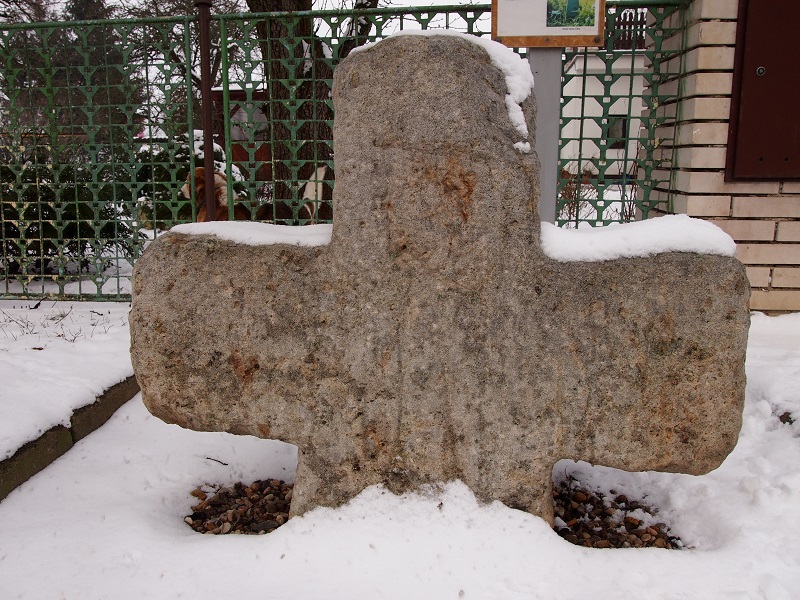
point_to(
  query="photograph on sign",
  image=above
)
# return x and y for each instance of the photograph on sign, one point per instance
(531, 23)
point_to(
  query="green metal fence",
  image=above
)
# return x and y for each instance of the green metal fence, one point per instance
(617, 112)
(99, 144)
(80, 161)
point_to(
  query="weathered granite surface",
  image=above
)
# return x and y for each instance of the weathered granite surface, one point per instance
(433, 340)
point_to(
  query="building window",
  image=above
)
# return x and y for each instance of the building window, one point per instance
(618, 131)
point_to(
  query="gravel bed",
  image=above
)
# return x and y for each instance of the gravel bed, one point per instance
(258, 508)
(581, 517)
(593, 520)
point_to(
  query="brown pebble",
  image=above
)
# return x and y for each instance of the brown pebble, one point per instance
(580, 496)
(660, 543)
(602, 544)
(632, 521)
(646, 537)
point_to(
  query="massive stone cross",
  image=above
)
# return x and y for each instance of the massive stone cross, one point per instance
(432, 339)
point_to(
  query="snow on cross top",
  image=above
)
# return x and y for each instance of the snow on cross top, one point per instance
(519, 77)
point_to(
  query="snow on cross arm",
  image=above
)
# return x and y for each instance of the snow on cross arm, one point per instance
(259, 234)
(671, 233)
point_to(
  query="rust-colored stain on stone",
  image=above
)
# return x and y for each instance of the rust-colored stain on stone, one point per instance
(458, 186)
(244, 368)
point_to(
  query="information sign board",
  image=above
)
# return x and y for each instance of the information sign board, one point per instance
(548, 23)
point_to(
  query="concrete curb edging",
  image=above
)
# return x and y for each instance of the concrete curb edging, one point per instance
(53, 443)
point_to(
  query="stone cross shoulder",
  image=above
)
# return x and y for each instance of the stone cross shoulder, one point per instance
(432, 339)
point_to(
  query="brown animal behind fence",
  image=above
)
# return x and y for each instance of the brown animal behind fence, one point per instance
(316, 194)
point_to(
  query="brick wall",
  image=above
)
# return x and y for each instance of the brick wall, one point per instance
(762, 217)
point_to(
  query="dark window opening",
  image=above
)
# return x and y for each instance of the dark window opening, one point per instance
(618, 132)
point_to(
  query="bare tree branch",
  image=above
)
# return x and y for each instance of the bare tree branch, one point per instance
(26, 11)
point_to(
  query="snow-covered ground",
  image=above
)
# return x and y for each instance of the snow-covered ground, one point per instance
(56, 357)
(106, 519)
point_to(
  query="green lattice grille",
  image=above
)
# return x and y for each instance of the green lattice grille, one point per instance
(98, 132)
(616, 114)
(80, 105)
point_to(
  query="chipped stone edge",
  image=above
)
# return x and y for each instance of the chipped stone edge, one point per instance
(37, 454)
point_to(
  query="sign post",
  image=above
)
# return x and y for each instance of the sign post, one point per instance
(546, 67)
(545, 27)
